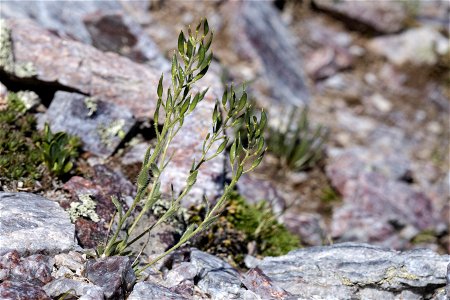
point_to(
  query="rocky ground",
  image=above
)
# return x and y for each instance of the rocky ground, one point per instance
(372, 216)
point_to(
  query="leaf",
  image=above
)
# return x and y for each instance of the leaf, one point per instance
(192, 178)
(117, 204)
(160, 86)
(154, 169)
(205, 27)
(194, 102)
(233, 151)
(263, 120)
(201, 55)
(68, 167)
(222, 146)
(143, 178)
(174, 67)
(239, 172)
(187, 234)
(242, 102)
(181, 42)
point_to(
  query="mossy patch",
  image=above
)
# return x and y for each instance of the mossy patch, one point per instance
(245, 229)
(19, 157)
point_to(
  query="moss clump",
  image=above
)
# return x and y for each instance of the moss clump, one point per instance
(25, 152)
(19, 157)
(246, 229)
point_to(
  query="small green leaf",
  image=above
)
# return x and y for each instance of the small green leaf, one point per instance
(117, 204)
(192, 178)
(154, 169)
(160, 86)
(181, 42)
(222, 146)
(233, 151)
(205, 27)
(174, 67)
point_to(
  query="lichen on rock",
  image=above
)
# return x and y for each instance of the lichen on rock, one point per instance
(84, 209)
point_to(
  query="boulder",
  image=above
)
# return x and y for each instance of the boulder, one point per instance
(101, 126)
(36, 55)
(375, 16)
(33, 224)
(114, 274)
(418, 46)
(257, 39)
(357, 271)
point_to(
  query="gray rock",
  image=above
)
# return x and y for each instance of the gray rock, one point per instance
(257, 34)
(149, 290)
(417, 46)
(35, 269)
(72, 260)
(378, 16)
(114, 274)
(216, 277)
(66, 21)
(350, 270)
(101, 126)
(117, 32)
(178, 274)
(66, 286)
(256, 281)
(43, 58)
(33, 224)
(12, 290)
(378, 205)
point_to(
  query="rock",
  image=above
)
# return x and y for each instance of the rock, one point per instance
(104, 184)
(46, 59)
(10, 290)
(216, 277)
(149, 290)
(310, 227)
(255, 190)
(101, 126)
(135, 154)
(256, 34)
(374, 16)
(119, 33)
(74, 261)
(66, 21)
(178, 274)
(351, 270)
(326, 61)
(114, 274)
(76, 288)
(418, 46)
(256, 281)
(378, 205)
(35, 269)
(25, 219)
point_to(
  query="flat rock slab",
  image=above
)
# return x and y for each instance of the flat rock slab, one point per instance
(101, 126)
(260, 37)
(358, 271)
(33, 224)
(376, 16)
(37, 55)
(149, 290)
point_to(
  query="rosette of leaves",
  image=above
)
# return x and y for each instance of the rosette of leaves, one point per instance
(189, 64)
(298, 145)
(58, 151)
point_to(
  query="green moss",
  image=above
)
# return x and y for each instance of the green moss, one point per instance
(242, 224)
(329, 195)
(19, 157)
